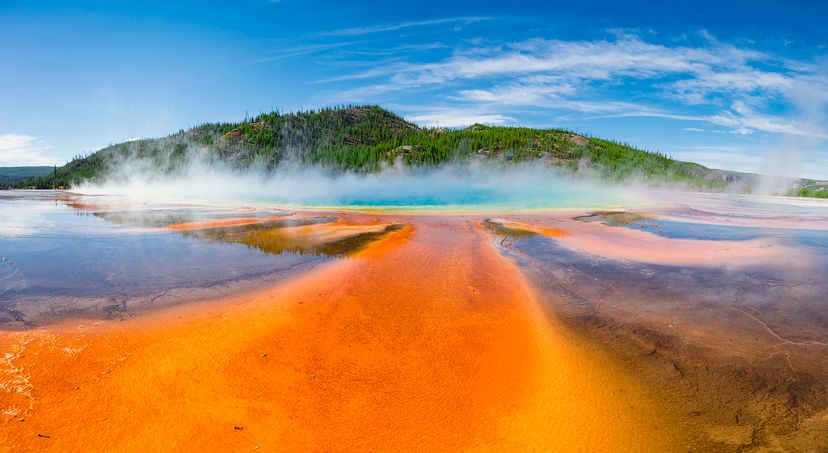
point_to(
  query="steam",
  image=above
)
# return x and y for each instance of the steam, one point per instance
(531, 185)
(783, 166)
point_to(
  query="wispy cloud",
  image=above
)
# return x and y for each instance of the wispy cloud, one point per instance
(398, 50)
(289, 52)
(521, 94)
(626, 56)
(744, 120)
(709, 131)
(356, 31)
(737, 85)
(731, 157)
(22, 150)
(458, 117)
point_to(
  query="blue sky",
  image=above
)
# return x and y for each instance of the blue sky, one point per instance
(738, 85)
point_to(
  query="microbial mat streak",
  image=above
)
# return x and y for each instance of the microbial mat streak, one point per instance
(427, 339)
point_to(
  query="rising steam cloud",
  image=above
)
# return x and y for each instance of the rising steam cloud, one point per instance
(783, 165)
(531, 185)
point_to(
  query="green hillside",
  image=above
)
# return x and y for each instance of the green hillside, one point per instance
(14, 175)
(365, 138)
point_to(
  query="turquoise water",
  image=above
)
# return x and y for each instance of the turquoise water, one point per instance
(457, 197)
(516, 187)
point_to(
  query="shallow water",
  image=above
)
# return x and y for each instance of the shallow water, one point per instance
(811, 236)
(537, 330)
(738, 348)
(63, 256)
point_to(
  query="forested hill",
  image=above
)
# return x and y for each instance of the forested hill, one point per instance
(365, 138)
(14, 175)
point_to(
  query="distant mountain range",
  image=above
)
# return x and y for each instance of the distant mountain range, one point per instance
(14, 175)
(366, 138)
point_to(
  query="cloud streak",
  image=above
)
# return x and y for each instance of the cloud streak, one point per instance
(737, 86)
(289, 52)
(358, 31)
(458, 117)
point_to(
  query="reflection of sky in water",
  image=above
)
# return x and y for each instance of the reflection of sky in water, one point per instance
(791, 221)
(49, 219)
(711, 232)
(48, 249)
(25, 219)
(703, 217)
(746, 206)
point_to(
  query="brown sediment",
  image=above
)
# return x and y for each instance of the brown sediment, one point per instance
(427, 340)
(644, 247)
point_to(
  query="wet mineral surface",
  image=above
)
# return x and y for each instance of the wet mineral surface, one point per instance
(694, 325)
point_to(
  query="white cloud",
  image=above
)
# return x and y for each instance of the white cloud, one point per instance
(457, 117)
(628, 56)
(398, 26)
(740, 88)
(742, 80)
(520, 94)
(744, 120)
(739, 131)
(23, 150)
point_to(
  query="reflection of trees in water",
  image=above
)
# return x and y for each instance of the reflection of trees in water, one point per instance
(279, 237)
(158, 218)
(272, 237)
(615, 218)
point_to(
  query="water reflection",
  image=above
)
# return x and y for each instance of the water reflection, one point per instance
(690, 229)
(740, 352)
(62, 255)
(287, 237)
